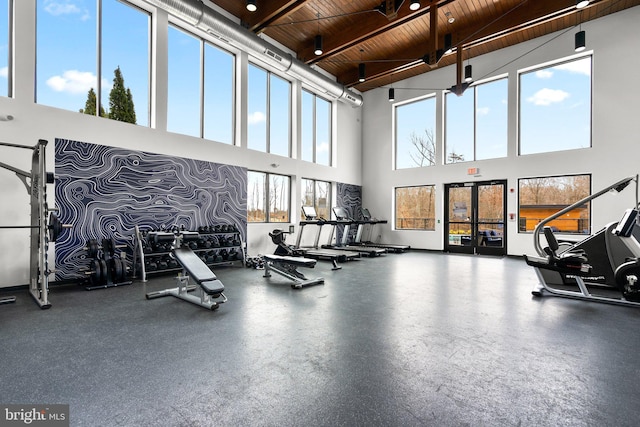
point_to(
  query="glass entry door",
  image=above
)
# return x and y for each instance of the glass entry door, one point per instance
(475, 221)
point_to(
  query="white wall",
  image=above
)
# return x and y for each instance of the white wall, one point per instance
(614, 155)
(33, 122)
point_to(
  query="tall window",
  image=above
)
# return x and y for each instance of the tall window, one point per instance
(67, 76)
(317, 194)
(476, 123)
(125, 25)
(542, 197)
(5, 43)
(200, 100)
(66, 54)
(183, 95)
(415, 207)
(316, 129)
(268, 197)
(269, 112)
(555, 107)
(218, 94)
(416, 133)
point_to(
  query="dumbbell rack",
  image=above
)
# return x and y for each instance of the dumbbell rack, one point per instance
(149, 258)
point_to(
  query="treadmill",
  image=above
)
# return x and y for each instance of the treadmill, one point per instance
(343, 219)
(372, 222)
(315, 252)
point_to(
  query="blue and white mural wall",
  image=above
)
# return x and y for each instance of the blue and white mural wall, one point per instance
(105, 192)
(349, 197)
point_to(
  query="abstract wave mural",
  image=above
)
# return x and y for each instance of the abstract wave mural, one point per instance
(105, 192)
(349, 197)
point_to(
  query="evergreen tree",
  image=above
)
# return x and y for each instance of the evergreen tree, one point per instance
(90, 105)
(120, 100)
(130, 107)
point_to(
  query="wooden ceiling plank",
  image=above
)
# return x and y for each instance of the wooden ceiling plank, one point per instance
(276, 11)
(366, 30)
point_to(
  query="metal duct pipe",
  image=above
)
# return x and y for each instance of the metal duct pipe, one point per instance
(195, 13)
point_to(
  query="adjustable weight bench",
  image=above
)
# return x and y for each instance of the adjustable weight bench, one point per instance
(287, 266)
(209, 290)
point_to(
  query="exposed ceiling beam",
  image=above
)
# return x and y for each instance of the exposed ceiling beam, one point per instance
(369, 28)
(476, 35)
(273, 11)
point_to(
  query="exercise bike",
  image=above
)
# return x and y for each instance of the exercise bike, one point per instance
(604, 267)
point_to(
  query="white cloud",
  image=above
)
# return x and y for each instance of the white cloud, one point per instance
(256, 117)
(578, 67)
(482, 111)
(547, 96)
(323, 147)
(544, 74)
(4, 72)
(75, 82)
(65, 7)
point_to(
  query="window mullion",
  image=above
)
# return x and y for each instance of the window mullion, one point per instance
(98, 56)
(202, 88)
(267, 207)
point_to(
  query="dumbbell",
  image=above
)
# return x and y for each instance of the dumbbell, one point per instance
(151, 265)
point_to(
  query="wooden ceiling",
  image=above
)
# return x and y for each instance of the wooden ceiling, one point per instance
(395, 42)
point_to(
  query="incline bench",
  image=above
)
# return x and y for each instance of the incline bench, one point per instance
(209, 290)
(287, 266)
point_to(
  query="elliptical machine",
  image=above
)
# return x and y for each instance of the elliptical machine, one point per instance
(605, 267)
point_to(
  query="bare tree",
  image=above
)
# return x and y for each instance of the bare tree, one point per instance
(535, 191)
(425, 147)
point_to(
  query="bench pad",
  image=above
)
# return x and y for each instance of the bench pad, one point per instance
(212, 287)
(196, 268)
(297, 261)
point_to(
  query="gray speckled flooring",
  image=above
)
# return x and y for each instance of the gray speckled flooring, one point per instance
(415, 339)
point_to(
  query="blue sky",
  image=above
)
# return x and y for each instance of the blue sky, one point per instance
(4, 47)
(67, 58)
(555, 105)
(554, 111)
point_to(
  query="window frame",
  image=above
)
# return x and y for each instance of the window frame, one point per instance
(314, 127)
(266, 197)
(474, 86)
(268, 100)
(589, 208)
(395, 207)
(10, 44)
(99, 25)
(203, 42)
(396, 107)
(316, 205)
(547, 65)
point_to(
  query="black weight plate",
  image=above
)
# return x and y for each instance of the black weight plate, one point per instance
(92, 248)
(104, 276)
(55, 227)
(95, 272)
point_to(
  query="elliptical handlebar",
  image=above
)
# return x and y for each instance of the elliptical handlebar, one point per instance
(618, 186)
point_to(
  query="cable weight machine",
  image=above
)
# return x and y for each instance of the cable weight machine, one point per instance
(43, 229)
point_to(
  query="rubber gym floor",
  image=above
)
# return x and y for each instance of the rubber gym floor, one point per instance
(414, 339)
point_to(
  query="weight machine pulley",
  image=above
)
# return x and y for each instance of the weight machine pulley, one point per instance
(43, 230)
